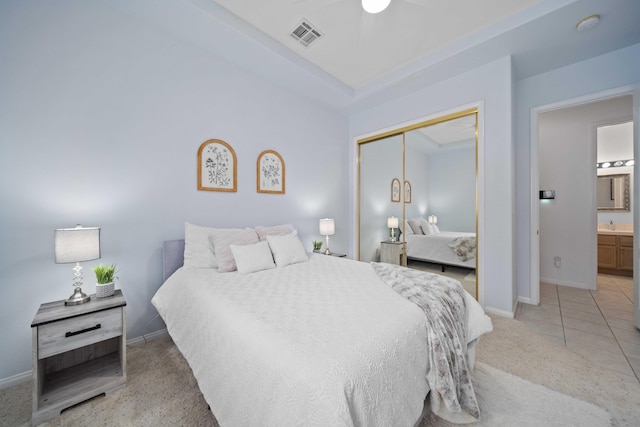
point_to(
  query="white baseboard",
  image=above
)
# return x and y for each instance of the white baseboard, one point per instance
(498, 312)
(26, 376)
(147, 337)
(15, 380)
(524, 300)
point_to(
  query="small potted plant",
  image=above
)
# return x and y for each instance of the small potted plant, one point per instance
(105, 276)
(317, 245)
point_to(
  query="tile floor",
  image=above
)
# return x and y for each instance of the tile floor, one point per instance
(596, 324)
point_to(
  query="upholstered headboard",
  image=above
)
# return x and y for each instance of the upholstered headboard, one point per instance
(172, 257)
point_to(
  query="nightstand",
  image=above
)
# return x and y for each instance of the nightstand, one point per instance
(392, 253)
(331, 254)
(79, 352)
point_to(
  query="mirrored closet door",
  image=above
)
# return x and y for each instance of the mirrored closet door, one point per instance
(425, 175)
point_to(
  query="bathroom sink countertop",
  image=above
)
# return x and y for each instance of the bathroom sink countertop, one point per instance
(615, 232)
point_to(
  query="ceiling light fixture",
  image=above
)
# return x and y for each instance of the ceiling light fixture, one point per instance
(585, 23)
(375, 6)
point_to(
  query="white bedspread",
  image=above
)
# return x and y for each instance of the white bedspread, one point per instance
(435, 248)
(321, 343)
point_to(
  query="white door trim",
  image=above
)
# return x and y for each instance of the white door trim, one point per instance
(534, 165)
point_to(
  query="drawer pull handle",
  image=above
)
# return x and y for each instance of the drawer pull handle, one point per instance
(93, 328)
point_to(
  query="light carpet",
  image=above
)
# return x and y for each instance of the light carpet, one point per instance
(161, 389)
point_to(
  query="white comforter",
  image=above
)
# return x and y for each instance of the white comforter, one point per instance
(323, 343)
(435, 248)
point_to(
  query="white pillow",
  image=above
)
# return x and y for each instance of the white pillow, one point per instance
(427, 228)
(198, 247)
(407, 228)
(287, 250)
(276, 230)
(252, 258)
(223, 238)
(414, 224)
(435, 228)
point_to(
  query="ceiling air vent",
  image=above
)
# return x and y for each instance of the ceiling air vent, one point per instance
(305, 33)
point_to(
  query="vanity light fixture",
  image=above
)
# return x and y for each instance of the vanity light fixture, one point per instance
(375, 6)
(615, 163)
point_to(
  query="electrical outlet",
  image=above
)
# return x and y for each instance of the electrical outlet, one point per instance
(556, 261)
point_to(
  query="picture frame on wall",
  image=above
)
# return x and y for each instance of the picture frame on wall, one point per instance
(395, 190)
(217, 166)
(407, 192)
(270, 173)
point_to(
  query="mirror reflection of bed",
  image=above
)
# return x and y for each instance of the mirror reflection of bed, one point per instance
(440, 164)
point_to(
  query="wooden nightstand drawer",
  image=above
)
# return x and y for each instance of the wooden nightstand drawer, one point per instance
(68, 334)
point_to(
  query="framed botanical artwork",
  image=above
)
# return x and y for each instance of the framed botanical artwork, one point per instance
(270, 173)
(407, 192)
(395, 190)
(217, 166)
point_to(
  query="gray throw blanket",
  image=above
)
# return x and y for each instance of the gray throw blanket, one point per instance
(464, 247)
(442, 299)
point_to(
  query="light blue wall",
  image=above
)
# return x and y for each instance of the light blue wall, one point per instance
(452, 193)
(614, 70)
(101, 117)
(417, 173)
(490, 85)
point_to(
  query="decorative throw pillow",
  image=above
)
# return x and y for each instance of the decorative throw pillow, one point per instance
(414, 224)
(427, 228)
(287, 250)
(435, 228)
(276, 230)
(198, 248)
(223, 238)
(252, 258)
(407, 228)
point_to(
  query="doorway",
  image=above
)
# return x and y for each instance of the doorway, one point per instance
(560, 225)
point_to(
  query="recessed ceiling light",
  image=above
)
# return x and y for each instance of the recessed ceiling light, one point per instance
(588, 23)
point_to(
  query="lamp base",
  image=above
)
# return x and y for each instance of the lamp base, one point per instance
(327, 252)
(78, 297)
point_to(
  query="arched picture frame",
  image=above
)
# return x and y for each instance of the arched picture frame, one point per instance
(270, 173)
(407, 192)
(217, 166)
(395, 190)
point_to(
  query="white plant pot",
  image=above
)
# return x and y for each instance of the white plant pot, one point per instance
(105, 289)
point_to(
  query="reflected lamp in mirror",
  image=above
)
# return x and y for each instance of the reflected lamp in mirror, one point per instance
(392, 224)
(327, 228)
(76, 245)
(433, 219)
(613, 193)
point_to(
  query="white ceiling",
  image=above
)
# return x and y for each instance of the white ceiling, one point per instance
(364, 60)
(357, 47)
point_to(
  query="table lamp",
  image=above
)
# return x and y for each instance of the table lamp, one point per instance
(76, 245)
(392, 224)
(327, 228)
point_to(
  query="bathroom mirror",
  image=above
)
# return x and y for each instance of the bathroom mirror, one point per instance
(613, 193)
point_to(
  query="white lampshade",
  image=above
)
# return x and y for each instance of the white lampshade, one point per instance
(375, 6)
(433, 219)
(327, 227)
(76, 244)
(392, 222)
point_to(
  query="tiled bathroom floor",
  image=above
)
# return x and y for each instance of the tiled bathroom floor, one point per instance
(596, 324)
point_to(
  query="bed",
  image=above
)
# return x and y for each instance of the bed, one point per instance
(320, 342)
(435, 248)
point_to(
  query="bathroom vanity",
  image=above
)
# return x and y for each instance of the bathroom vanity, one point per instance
(615, 251)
